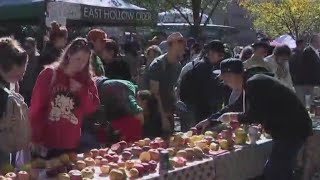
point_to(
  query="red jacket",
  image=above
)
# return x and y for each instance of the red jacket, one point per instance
(56, 113)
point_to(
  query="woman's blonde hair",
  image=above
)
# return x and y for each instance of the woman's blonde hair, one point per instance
(78, 44)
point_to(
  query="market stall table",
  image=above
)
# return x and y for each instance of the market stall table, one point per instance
(244, 163)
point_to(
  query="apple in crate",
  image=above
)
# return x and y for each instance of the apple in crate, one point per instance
(105, 169)
(23, 175)
(153, 165)
(103, 151)
(116, 174)
(154, 145)
(75, 175)
(234, 124)
(63, 176)
(123, 144)
(87, 173)
(11, 175)
(126, 155)
(147, 141)
(134, 173)
(129, 164)
(80, 165)
(155, 155)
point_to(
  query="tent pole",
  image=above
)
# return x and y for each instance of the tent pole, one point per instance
(43, 23)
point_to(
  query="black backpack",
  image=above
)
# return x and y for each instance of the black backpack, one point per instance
(188, 86)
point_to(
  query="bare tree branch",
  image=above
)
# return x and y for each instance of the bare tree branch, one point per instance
(212, 11)
(172, 3)
(203, 8)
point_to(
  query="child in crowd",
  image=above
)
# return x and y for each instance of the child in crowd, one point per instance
(152, 117)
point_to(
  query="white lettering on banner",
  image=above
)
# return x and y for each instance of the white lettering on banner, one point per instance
(115, 14)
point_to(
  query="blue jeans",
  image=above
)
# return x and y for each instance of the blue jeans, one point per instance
(282, 160)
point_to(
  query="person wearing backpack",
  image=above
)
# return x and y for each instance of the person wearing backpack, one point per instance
(199, 89)
(63, 95)
(13, 64)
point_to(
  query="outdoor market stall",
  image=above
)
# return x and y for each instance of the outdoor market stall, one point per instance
(111, 12)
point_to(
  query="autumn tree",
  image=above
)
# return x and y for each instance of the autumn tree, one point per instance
(198, 7)
(274, 17)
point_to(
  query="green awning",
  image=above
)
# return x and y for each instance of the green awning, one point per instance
(31, 11)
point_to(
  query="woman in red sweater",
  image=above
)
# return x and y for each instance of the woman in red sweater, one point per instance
(63, 94)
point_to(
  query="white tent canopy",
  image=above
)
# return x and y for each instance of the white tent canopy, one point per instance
(174, 16)
(285, 40)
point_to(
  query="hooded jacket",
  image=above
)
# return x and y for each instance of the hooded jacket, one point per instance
(56, 112)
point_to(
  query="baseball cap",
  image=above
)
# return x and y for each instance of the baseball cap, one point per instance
(175, 37)
(231, 65)
(96, 34)
(260, 45)
(215, 45)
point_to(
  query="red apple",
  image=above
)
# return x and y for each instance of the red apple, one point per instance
(115, 158)
(194, 131)
(234, 124)
(140, 168)
(146, 167)
(146, 148)
(87, 154)
(112, 153)
(109, 157)
(136, 151)
(128, 149)
(126, 155)
(75, 175)
(23, 175)
(226, 134)
(123, 144)
(154, 145)
(155, 155)
(116, 148)
(102, 152)
(163, 144)
(153, 165)
(104, 162)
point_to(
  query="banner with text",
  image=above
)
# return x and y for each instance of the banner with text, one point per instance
(117, 16)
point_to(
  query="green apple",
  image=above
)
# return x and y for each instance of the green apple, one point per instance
(214, 146)
(224, 144)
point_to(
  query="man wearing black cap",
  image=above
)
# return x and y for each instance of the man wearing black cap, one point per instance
(277, 109)
(260, 51)
(199, 88)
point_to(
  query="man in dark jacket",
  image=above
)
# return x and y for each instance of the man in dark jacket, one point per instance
(281, 114)
(199, 88)
(309, 69)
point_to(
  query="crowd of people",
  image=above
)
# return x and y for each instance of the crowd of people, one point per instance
(90, 92)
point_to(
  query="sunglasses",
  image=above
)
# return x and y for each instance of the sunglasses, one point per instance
(80, 44)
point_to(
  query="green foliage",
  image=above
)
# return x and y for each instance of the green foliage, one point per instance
(296, 17)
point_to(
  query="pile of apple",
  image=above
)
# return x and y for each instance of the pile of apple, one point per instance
(131, 161)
